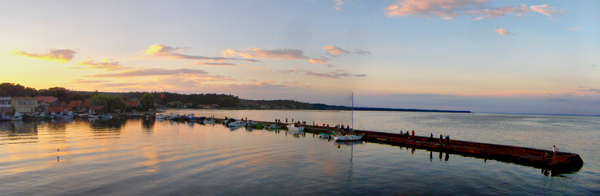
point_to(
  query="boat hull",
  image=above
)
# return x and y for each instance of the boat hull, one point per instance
(348, 138)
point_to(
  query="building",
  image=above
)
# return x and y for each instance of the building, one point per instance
(44, 103)
(5, 105)
(75, 105)
(133, 104)
(25, 104)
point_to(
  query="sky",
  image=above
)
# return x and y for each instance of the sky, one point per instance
(509, 56)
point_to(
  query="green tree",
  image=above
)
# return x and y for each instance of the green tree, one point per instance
(99, 100)
(227, 102)
(148, 102)
(115, 102)
(13, 110)
(177, 104)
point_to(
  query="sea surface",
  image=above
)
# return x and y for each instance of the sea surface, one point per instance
(144, 157)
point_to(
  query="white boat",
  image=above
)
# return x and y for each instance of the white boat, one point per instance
(293, 128)
(65, 116)
(16, 117)
(209, 121)
(161, 116)
(174, 117)
(352, 136)
(91, 116)
(237, 124)
(349, 137)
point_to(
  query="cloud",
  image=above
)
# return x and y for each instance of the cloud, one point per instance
(592, 90)
(338, 4)
(500, 11)
(336, 52)
(594, 65)
(334, 74)
(59, 55)
(105, 64)
(82, 81)
(450, 9)
(504, 32)
(214, 64)
(263, 86)
(575, 29)
(317, 61)
(279, 54)
(158, 51)
(156, 72)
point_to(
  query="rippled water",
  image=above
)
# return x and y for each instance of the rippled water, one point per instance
(138, 157)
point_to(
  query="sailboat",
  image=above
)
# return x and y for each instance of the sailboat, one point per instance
(350, 136)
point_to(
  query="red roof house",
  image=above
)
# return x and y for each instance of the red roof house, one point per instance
(47, 99)
(133, 103)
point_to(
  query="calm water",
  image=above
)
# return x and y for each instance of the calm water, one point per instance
(137, 157)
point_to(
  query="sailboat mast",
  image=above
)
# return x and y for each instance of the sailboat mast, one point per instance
(352, 111)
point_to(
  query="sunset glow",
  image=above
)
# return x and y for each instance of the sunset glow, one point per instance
(316, 51)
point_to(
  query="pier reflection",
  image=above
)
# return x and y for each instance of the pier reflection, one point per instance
(445, 155)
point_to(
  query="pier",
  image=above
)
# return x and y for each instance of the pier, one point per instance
(545, 159)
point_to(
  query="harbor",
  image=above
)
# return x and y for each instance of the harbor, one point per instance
(207, 157)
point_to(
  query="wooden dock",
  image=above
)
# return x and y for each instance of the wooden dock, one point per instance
(545, 159)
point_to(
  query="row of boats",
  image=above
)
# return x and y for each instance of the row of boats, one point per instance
(236, 123)
(42, 116)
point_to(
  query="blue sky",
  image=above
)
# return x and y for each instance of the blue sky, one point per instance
(484, 56)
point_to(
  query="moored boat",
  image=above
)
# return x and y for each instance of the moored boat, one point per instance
(161, 116)
(237, 124)
(16, 117)
(348, 137)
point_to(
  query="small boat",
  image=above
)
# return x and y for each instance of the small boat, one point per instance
(237, 124)
(69, 115)
(348, 137)
(105, 116)
(174, 117)
(326, 135)
(42, 116)
(93, 116)
(259, 126)
(160, 116)
(16, 117)
(209, 121)
(292, 128)
(4, 118)
(273, 126)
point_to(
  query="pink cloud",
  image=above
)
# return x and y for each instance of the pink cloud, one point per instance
(450, 9)
(59, 55)
(105, 64)
(159, 51)
(279, 54)
(504, 32)
(334, 51)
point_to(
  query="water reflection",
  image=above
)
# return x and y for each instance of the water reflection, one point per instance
(112, 123)
(148, 125)
(18, 132)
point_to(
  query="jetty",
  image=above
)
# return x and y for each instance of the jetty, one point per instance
(563, 162)
(545, 159)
